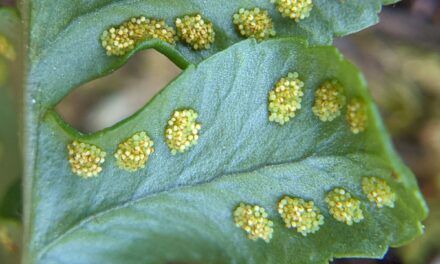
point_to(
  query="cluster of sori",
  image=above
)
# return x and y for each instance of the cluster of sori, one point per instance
(124, 38)
(181, 134)
(193, 30)
(286, 97)
(182, 129)
(306, 218)
(197, 31)
(284, 102)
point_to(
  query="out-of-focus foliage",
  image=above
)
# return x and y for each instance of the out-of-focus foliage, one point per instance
(425, 248)
(10, 165)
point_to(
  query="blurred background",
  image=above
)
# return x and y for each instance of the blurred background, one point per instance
(400, 58)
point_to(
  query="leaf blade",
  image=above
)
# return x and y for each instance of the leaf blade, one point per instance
(224, 160)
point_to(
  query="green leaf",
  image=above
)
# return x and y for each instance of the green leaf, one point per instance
(65, 38)
(179, 208)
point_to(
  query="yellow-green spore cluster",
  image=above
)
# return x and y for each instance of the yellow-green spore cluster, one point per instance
(85, 159)
(195, 31)
(285, 98)
(182, 131)
(300, 214)
(294, 9)
(329, 100)
(122, 39)
(7, 49)
(378, 192)
(255, 23)
(133, 153)
(343, 207)
(356, 116)
(254, 220)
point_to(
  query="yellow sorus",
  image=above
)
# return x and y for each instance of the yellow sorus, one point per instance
(329, 100)
(160, 30)
(295, 9)
(254, 220)
(133, 153)
(182, 131)
(254, 23)
(285, 98)
(123, 38)
(356, 116)
(6, 49)
(85, 159)
(300, 214)
(195, 31)
(378, 191)
(343, 207)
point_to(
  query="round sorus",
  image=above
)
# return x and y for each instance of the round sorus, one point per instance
(255, 23)
(254, 220)
(285, 98)
(85, 159)
(300, 214)
(133, 153)
(343, 207)
(294, 9)
(329, 100)
(182, 130)
(378, 191)
(195, 31)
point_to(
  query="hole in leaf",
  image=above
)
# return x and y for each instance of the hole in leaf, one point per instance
(106, 101)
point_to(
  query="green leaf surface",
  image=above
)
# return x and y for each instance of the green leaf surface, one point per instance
(65, 38)
(179, 208)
